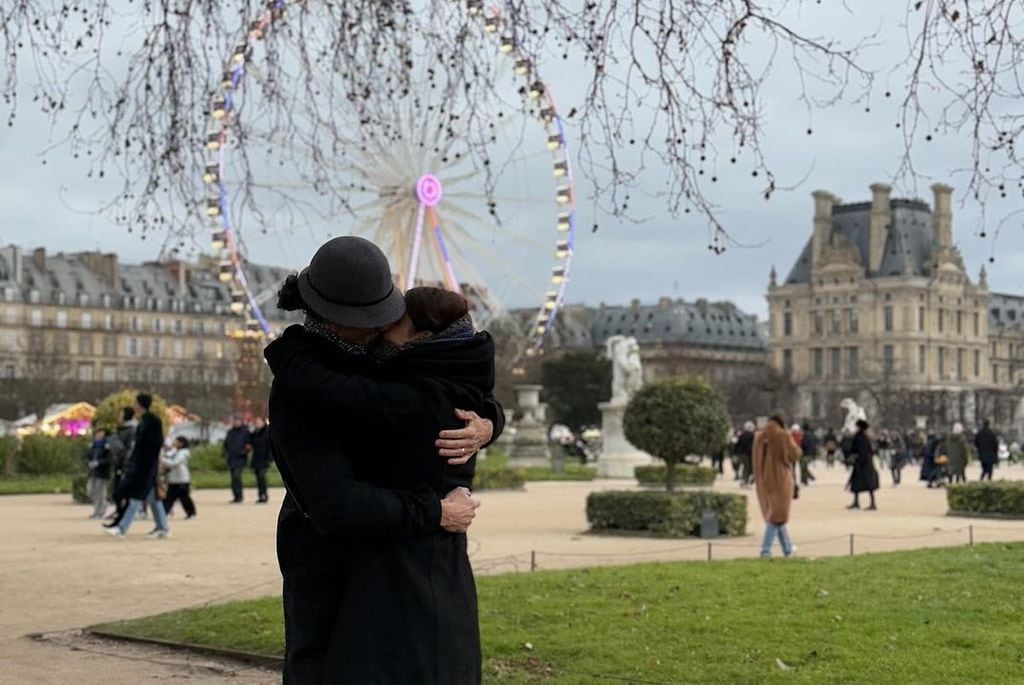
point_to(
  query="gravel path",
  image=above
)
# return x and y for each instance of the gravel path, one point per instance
(59, 573)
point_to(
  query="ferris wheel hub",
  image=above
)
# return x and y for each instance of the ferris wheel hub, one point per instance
(429, 190)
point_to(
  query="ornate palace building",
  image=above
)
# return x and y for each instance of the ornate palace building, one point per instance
(880, 306)
(75, 326)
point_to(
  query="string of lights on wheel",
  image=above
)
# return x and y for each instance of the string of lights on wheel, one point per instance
(428, 190)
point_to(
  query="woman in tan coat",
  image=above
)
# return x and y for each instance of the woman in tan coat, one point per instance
(774, 457)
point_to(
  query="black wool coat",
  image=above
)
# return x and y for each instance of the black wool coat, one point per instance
(987, 444)
(140, 472)
(406, 608)
(864, 476)
(235, 442)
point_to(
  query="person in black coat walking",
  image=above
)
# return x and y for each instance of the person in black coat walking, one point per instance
(744, 450)
(808, 452)
(97, 460)
(120, 444)
(260, 441)
(864, 476)
(987, 443)
(237, 444)
(330, 520)
(139, 483)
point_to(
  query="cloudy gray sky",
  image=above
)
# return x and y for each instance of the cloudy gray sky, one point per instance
(53, 205)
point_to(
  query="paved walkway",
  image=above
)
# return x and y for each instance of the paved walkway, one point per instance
(59, 573)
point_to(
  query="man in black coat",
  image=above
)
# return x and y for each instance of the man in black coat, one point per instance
(987, 443)
(327, 514)
(139, 482)
(237, 444)
(259, 439)
(744, 451)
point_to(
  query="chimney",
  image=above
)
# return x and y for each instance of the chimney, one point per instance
(823, 203)
(39, 257)
(103, 265)
(664, 302)
(942, 215)
(878, 225)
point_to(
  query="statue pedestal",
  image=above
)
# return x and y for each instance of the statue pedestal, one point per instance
(530, 445)
(618, 456)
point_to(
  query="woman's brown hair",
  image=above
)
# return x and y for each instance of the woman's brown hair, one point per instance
(434, 309)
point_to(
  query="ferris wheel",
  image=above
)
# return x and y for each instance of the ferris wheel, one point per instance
(423, 199)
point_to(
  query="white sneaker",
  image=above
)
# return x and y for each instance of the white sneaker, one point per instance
(158, 534)
(792, 551)
(114, 532)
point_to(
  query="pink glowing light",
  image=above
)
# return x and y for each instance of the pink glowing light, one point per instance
(428, 190)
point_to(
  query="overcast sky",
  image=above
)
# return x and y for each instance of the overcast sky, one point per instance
(52, 205)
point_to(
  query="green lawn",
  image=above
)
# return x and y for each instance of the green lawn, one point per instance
(927, 616)
(497, 459)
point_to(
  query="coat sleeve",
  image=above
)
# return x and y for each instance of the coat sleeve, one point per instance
(494, 411)
(320, 478)
(175, 459)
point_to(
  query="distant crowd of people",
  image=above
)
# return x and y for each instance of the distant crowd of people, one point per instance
(770, 459)
(134, 471)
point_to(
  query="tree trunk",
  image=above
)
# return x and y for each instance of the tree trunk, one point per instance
(670, 476)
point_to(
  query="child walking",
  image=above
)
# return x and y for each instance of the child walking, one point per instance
(175, 462)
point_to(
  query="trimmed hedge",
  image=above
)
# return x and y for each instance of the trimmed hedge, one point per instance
(45, 454)
(1000, 498)
(501, 478)
(686, 474)
(667, 514)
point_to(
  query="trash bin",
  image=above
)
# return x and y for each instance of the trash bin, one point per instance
(709, 525)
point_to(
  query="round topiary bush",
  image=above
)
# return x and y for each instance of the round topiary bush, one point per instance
(686, 474)
(108, 411)
(674, 418)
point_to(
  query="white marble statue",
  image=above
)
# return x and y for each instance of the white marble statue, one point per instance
(627, 372)
(854, 413)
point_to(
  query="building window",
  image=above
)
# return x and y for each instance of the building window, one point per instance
(787, 324)
(942, 320)
(157, 325)
(61, 343)
(62, 319)
(85, 372)
(154, 347)
(960, 364)
(109, 346)
(837, 322)
(854, 321)
(959, 323)
(178, 326)
(922, 358)
(135, 324)
(108, 322)
(995, 374)
(977, 325)
(131, 347)
(835, 362)
(179, 349)
(818, 361)
(36, 317)
(852, 362)
(942, 362)
(816, 326)
(887, 318)
(199, 349)
(977, 363)
(787, 363)
(200, 328)
(109, 374)
(86, 320)
(887, 359)
(85, 345)
(920, 318)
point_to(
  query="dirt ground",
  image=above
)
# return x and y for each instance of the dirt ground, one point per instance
(59, 573)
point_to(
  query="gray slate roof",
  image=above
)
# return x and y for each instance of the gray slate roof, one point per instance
(1005, 311)
(908, 246)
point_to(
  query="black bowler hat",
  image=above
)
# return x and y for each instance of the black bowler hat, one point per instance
(349, 283)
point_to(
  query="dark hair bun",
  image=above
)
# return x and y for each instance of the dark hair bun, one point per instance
(288, 297)
(434, 309)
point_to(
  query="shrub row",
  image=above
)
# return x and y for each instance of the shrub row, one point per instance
(8, 446)
(686, 474)
(990, 498)
(209, 457)
(46, 454)
(668, 514)
(498, 478)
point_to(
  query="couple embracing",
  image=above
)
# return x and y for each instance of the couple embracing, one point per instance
(379, 404)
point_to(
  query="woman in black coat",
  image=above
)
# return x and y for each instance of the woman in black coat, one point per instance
(864, 476)
(409, 609)
(260, 441)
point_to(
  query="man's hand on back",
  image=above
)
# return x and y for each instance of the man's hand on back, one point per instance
(458, 509)
(461, 444)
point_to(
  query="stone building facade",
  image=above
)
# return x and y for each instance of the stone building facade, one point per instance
(880, 305)
(76, 325)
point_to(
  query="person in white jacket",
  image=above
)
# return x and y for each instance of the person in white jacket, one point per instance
(175, 462)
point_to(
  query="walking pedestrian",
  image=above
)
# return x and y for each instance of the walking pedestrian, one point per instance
(260, 441)
(864, 475)
(958, 454)
(237, 444)
(179, 480)
(774, 456)
(987, 444)
(744, 449)
(97, 459)
(140, 480)
(898, 456)
(831, 447)
(120, 444)
(809, 450)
